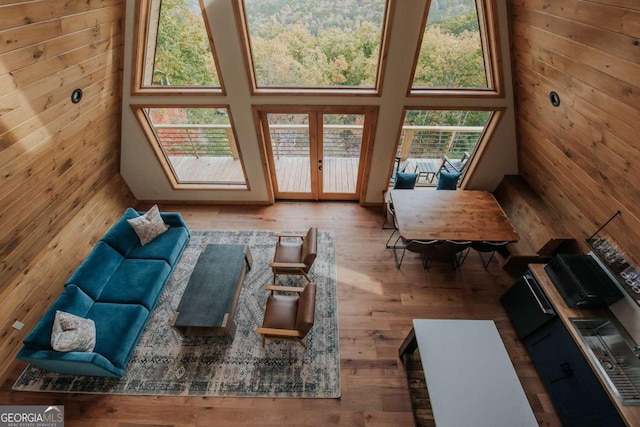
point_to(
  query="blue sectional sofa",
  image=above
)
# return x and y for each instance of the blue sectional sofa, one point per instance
(117, 286)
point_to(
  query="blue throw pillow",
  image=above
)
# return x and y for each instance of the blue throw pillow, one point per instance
(448, 180)
(405, 181)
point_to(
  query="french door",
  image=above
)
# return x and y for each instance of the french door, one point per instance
(317, 153)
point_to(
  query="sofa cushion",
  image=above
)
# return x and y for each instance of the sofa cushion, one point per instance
(118, 329)
(96, 270)
(72, 300)
(137, 282)
(173, 219)
(72, 333)
(121, 236)
(167, 246)
(149, 225)
(73, 363)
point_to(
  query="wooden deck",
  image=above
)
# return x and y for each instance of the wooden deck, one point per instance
(207, 169)
(340, 174)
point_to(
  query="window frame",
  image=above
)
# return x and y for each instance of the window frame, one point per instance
(256, 90)
(497, 113)
(142, 44)
(166, 165)
(491, 52)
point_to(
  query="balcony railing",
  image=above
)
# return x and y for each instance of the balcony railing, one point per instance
(197, 140)
(339, 142)
(433, 142)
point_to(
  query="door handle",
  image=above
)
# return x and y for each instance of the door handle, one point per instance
(567, 372)
(544, 309)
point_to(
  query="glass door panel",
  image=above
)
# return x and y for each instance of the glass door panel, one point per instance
(341, 148)
(316, 153)
(291, 150)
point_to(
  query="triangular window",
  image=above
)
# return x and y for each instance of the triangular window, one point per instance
(455, 52)
(178, 51)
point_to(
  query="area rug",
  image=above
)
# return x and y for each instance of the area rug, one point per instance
(164, 363)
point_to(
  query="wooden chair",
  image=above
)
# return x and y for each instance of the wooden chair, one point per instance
(289, 317)
(295, 258)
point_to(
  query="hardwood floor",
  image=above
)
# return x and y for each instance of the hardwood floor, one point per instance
(376, 305)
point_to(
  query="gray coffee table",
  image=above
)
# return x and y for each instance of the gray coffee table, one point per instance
(210, 299)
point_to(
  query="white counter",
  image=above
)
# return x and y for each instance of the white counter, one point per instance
(469, 376)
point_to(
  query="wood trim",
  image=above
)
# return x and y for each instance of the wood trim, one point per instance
(366, 153)
(264, 141)
(243, 35)
(315, 145)
(167, 167)
(492, 54)
(142, 43)
(193, 202)
(496, 115)
(247, 50)
(315, 112)
(491, 44)
(383, 54)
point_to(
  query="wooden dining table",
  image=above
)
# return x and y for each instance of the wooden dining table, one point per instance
(463, 215)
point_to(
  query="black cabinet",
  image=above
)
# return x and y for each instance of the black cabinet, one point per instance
(527, 306)
(578, 396)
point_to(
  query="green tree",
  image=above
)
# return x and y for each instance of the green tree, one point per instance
(448, 60)
(183, 55)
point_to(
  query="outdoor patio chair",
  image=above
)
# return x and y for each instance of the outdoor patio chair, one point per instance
(454, 165)
(399, 167)
(450, 171)
(295, 258)
(289, 317)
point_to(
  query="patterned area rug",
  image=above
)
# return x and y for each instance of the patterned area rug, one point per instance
(164, 363)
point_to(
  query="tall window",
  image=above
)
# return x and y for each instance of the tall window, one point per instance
(178, 53)
(310, 44)
(457, 48)
(436, 140)
(196, 145)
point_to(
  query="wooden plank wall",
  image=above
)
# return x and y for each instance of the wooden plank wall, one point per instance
(59, 162)
(584, 156)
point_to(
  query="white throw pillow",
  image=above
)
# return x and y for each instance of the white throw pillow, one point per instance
(148, 226)
(72, 333)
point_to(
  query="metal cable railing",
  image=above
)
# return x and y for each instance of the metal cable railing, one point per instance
(339, 141)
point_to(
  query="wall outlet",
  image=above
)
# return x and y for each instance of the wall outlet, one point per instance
(18, 325)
